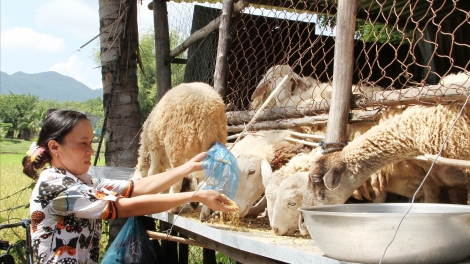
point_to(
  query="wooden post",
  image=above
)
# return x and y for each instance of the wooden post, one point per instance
(220, 75)
(162, 47)
(202, 32)
(342, 75)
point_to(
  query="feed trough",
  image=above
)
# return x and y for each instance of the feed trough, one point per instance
(429, 233)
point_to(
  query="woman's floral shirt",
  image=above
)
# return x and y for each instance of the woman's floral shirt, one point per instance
(67, 213)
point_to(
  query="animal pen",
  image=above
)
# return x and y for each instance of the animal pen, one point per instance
(364, 56)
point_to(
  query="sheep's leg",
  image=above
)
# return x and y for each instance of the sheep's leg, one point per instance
(205, 213)
(153, 164)
(431, 191)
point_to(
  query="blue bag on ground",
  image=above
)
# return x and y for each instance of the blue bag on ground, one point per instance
(131, 245)
(221, 170)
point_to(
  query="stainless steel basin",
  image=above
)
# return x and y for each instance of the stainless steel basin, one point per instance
(429, 233)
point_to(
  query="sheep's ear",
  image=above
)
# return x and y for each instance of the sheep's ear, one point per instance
(301, 83)
(266, 171)
(333, 177)
(260, 89)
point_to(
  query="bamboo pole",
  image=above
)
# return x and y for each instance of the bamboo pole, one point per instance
(220, 74)
(443, 161)
(342, 74)
(155, 235)
(307, 143)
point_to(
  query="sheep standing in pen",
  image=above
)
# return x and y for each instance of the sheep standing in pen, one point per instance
(188, 119)
(419, 130)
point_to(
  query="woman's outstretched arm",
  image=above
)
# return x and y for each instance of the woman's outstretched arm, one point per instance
(156, 203)
(162, 181)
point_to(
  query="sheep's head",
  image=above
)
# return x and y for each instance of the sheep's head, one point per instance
(289, 198)
(272, 79)
(324, 178)
(253, 168)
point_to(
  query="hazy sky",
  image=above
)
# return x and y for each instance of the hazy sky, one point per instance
(46, 35)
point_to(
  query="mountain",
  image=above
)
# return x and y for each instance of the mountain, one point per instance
(47, 85)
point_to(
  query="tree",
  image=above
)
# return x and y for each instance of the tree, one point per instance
(14, 107)
(367, 31)
(119, 56)
(31, 123)
(147, 81)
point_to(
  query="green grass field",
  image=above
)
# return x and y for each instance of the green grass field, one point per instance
(16, 187)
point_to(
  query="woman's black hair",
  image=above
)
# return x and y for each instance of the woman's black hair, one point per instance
(55, 127)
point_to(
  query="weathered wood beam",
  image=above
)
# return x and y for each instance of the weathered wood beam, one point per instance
(437, 94)
(162, 48)
(240, 117)
(342, 74)
(225, 39)
(211, 26)
(363, 116)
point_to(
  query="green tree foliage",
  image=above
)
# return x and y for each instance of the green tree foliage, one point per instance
(381, 33)
(25, 113)
(146, 77)
(367, 31)
(147, 81)
(13, 107)
(31, 123)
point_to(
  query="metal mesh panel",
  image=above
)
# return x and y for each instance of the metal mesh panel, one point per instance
(398, 45)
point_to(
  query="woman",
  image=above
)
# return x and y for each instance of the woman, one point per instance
(67, 205)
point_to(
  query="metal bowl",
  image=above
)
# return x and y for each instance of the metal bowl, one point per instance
(429, 233)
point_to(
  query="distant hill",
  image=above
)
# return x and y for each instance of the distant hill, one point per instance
(47, 85)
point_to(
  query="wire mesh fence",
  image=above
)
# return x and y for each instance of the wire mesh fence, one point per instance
(405, 52)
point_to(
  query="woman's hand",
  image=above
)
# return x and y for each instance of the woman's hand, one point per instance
(216, 201)
(195, 163)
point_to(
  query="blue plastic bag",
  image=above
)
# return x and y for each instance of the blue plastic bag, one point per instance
(131, 245)
(221, 170)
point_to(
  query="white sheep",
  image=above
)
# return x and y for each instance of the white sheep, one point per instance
(402, 178)
(188, 119)
(271, 79)
(254, 154)
(298, 90)
(299, 163)
(456, 78)
(419, 130)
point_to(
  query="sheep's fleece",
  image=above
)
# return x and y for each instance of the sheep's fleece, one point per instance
(188, 119)
(418, 131)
